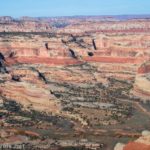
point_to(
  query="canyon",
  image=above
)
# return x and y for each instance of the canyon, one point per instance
(74, 82)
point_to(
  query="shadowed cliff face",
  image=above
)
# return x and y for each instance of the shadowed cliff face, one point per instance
(74, 85)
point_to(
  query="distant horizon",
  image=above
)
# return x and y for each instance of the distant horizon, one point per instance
(59, 8)
(140, 15)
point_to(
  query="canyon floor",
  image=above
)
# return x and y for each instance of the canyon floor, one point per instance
(85, 85)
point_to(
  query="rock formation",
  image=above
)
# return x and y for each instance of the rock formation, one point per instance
(143, 143)
(142, 82)
(68, 78)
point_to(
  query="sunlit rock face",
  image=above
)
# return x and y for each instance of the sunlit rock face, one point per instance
(143, 143)
(136, 146)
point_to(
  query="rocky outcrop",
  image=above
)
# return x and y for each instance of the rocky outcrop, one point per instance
(31, 96)
(144, 68)
(142, 82)
(143, 143)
